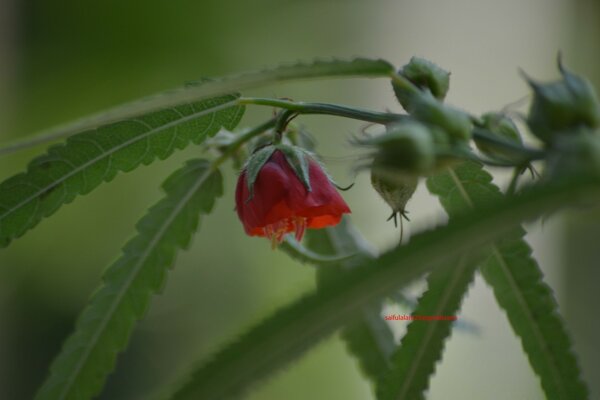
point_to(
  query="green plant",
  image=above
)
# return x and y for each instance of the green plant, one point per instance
(432, 141)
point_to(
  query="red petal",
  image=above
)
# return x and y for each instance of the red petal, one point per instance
(324, 221)
(268, 204)
(279, 196)
(323, 199)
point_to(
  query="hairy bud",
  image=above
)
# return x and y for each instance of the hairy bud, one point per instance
(574, 155)
(426, 76)
(455, 123)
(562, 106)
(498, 126)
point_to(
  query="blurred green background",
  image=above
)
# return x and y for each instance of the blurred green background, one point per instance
(62, 59)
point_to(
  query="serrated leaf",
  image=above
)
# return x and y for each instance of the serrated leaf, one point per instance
(104, 327)
(414, 362)
(517, 282)
(359, 67)
(90, 158)
(371, 341)
(368, 337)
(297, 326)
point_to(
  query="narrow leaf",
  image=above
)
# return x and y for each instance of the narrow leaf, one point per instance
(367, 336)
(90, 158)
(296, 327)
(371, 341)
(359, 67)
(516, 279)
(422, 346)
(104, 327)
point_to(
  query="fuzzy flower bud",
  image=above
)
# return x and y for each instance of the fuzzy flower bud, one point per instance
(426, 76)
(562, 106)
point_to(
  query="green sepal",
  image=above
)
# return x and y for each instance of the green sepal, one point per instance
(501, 127)
(426, 75)
(574, 155)
(561, 106)
(426, 108)
(406, 147)
(297, 159)
(255, 164)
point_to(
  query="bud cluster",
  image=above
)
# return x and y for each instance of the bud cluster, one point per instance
(565, 116)
(433, 136)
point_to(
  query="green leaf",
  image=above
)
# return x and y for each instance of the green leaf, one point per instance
(367, 336)
(533, 313)
(359, 67)
(104, 327)
(90, 158)
(422, 346)
(371, 341)
(517, 282)
(297, 326)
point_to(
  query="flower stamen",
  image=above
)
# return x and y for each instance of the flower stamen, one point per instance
(275, 232)
(299, 227)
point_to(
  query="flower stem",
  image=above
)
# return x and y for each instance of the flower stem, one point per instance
(527, 152)
(325, 108)
(292, 109)
(243, 138)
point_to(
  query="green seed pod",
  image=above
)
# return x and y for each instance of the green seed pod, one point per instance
(429, 110)
(396, 190)
(562, 106)
(406, 148)
(426, 76)
(498, 125)
(404, 152)
(575, 155)
(410, 149)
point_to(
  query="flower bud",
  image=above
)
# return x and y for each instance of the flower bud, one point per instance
(423, 94)
(426, 76)
(395, 190)
(405, 148)
(498, 125)
(404, 152)
(429, 110)
(562, 106)
(575, 155)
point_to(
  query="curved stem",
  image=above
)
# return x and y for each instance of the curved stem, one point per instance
(284, 119)
(325, 108)
(528, 153)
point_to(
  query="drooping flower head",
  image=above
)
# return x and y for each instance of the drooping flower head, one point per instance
(284, 189)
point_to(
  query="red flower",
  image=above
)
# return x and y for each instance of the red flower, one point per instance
(281, 203)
